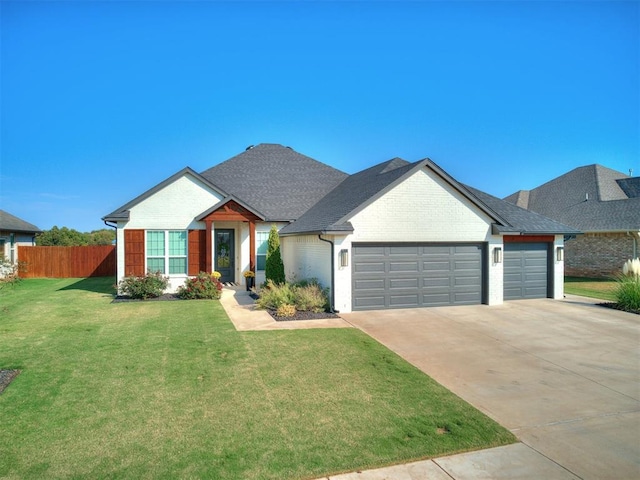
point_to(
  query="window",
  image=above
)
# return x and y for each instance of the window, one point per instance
(167, 251)
(262, 241)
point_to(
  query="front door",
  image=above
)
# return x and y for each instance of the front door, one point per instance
(224, 255)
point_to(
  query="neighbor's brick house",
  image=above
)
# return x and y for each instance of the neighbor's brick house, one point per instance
(602, 203)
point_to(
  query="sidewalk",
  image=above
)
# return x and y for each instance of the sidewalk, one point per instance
(511, 462)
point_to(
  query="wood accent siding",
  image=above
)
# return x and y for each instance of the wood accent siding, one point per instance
(197, 251)
(134, 253)
(528, 238)
(67, 262)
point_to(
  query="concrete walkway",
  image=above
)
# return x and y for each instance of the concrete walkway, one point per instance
(440, 341)
(243, 314)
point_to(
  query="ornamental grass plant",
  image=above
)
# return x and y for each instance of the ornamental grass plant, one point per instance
(628, 289)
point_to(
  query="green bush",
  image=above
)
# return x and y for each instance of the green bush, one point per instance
(150, 285)
(273, 296)
(628, 293)
(628, 290)
(274, 268)
(305, 296)
(204, 286)
(311, 297)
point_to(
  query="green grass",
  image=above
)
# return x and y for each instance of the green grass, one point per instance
(603, 289)
(171, 390)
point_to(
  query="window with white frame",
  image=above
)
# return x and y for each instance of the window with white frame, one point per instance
(167, 251)
(262, 241)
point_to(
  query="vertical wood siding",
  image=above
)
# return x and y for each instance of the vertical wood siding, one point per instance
(197, 251)
(134, 253)
(68, 262)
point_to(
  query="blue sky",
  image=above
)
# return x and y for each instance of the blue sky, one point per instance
(102, 100)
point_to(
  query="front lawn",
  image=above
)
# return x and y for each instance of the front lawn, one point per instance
(591, 287)
(170, 390)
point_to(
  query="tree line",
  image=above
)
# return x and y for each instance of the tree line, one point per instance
(68, 237)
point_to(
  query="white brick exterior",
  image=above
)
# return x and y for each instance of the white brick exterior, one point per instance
(423, 208)
(307, 257)
(174, 207)
(558, 269)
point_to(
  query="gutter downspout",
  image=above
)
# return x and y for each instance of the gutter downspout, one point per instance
(333, 274)
(634, 236)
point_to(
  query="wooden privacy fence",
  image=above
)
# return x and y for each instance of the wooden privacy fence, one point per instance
(67, 262)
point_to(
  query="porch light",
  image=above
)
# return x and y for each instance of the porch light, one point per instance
(560, 254)
(344, 257)
(497, 255)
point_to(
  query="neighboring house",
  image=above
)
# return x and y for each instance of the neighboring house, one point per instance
(602, 203)
(395, 235)
(13, 233)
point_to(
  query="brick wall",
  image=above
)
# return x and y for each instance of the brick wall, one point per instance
(597, 254)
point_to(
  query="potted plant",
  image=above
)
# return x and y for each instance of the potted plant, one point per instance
(250, 278)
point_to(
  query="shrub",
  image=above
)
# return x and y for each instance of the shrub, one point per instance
(305, 296)
(204, 286)
(310, 297)
(628, 290)
(286, 310)
(10, 272)
(150, 285)
(273, 296)
(274, 268)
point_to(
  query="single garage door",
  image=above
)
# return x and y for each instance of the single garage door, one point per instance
(403, 275)
(525, 270)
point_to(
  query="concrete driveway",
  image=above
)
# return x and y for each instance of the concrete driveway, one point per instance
(563, 376)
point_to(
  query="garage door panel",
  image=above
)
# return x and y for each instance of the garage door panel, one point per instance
(403, 301)
(370, 284)
(370, 267)
(397, 283)
(439, 266)
(410, 251)
(403, 266)
(416, 275)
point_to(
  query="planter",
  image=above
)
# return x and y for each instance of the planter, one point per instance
(250, 282)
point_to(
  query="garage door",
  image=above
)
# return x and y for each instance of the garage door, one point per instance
(525, 270)
(416, 275)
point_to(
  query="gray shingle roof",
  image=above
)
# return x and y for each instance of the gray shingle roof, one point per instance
(520, 220)
(277, 181)
(590, 198)
(352, 193)
(11, 223)
(331, 214)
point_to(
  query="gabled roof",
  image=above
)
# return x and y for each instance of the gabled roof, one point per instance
(590, 198)
(122, 213)
(331, 214)
(225, 201)
(11, 223)
(519, 220)
(275, 180)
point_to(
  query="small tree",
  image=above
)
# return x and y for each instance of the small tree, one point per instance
(274, 268)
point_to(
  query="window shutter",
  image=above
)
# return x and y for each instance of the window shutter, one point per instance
(134, 253)
(197, 252)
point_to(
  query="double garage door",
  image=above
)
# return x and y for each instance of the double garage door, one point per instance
(407, 275)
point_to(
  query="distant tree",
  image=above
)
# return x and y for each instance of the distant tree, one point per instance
(274, 268)
(62, 237)
(104, 236)
(68, 237)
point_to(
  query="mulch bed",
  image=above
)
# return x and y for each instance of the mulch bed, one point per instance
(6, 376)
(302, 316)
(617, 307)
